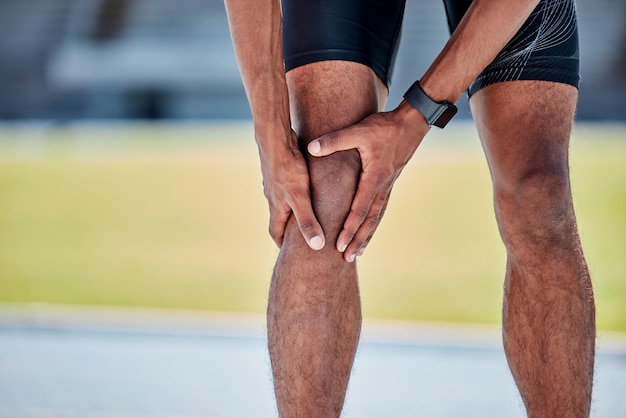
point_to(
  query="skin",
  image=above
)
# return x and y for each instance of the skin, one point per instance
(256, 29)
(548, 312)
(314, 313)
(335, 189)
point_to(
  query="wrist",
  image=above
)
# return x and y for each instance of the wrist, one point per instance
(275, 142)
(411, 117)
(435, 113)
(440, 89)
(412, 120)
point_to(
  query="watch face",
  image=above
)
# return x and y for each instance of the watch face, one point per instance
(447, 112)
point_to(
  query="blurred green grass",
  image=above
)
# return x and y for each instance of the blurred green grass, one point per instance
(174, 216)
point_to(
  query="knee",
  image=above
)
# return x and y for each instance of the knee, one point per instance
(535, 210)
(333, 183)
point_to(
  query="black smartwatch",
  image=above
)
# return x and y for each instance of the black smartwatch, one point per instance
(437, 114)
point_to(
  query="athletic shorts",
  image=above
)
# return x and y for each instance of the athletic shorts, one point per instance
(368, 32)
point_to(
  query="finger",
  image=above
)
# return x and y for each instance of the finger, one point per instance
(368, 228)
(361, 206)
(341, 140)
(307, 222)
(278, 223)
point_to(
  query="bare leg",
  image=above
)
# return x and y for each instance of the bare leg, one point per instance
(314, 312)
(548, 315)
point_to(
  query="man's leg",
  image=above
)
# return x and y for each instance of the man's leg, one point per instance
(314, 313)
(548, 315)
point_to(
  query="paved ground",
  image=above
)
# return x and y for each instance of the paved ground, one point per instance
(59, 362)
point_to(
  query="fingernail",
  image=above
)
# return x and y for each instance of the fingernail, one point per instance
(316, 242)
(314, 147)
(351, 257)
(342, 248)
(361, 251)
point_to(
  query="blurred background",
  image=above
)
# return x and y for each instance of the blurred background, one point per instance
(134, 254)
(156, 59)
(129, 176)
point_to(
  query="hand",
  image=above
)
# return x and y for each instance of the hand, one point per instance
(286, 187)
(386, 141)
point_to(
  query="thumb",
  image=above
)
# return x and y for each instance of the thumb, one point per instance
(309, 226)
(332, 142)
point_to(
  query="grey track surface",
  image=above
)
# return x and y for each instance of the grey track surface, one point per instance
(125, 363)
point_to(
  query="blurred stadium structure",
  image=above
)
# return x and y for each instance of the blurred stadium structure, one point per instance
(163, 59)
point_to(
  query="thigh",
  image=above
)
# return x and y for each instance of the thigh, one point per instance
(525, 128)
(329, 95)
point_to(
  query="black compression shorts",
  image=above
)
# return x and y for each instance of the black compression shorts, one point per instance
(368, 31)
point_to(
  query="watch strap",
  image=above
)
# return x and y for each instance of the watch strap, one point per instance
(437, 114)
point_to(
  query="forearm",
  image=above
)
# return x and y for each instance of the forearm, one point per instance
(256, 31)
(484, 31)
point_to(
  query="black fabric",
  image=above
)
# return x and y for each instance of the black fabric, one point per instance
(368, 32)
(545, 48)
(364, 31)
